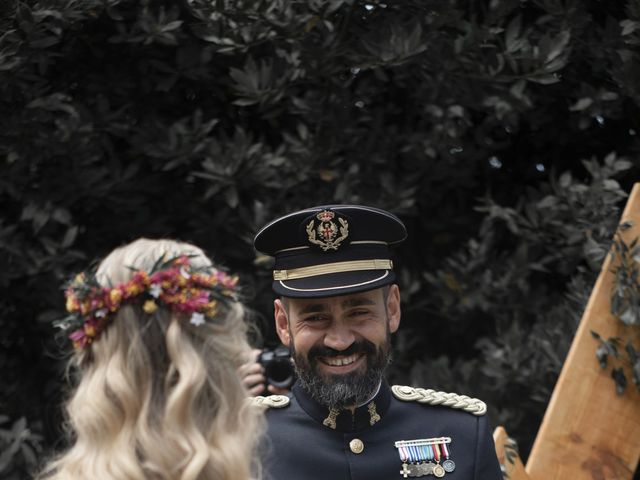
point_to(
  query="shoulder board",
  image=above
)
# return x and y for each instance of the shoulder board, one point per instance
(432, 397)
(271, 401)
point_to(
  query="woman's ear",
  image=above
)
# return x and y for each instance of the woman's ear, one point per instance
(393, 308)
(282, 321)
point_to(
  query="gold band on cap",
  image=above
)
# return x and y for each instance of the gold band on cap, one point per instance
(337, 267)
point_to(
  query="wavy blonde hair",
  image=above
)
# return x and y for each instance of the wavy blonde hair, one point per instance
(157, 397)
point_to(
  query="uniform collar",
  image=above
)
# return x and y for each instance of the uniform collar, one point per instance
(364, 416)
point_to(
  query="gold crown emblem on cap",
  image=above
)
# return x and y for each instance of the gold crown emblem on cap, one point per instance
(324, 232)
(325, 216)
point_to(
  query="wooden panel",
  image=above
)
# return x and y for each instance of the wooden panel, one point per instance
(508, 457)
(588, 431)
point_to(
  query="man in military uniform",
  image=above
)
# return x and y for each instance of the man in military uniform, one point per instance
(337, 309)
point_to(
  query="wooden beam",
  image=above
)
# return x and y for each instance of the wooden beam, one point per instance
(588, 432)
(508, 456)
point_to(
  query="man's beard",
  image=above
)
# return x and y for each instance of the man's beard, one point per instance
(343, 390)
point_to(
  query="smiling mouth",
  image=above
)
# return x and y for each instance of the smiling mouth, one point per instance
(341, 361)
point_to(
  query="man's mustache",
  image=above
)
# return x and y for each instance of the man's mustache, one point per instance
(360, 346)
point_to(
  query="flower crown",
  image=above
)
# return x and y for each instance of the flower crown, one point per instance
(173, 283)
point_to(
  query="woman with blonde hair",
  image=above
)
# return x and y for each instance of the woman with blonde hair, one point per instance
(158, 335)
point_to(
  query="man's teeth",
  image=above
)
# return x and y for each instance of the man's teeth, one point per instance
(341, 361)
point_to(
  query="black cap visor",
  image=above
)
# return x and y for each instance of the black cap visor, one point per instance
(334, 284)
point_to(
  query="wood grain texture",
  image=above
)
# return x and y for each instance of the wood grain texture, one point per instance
(512, 467)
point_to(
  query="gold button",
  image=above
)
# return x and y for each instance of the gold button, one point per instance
(356, 445)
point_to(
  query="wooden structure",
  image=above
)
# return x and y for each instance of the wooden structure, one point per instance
(508, 456)
(588, 432)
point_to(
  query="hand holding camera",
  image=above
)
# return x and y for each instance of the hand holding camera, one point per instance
(270, 372)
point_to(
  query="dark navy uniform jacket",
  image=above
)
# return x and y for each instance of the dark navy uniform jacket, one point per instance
(301, 447)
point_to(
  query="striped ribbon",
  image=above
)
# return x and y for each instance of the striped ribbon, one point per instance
(421, 452)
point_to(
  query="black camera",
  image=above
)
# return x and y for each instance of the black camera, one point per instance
(277, 365)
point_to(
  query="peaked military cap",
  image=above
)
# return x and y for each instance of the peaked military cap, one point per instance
(331, 250)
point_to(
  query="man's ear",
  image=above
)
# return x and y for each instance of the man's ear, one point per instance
(393, 307)
(282, 322)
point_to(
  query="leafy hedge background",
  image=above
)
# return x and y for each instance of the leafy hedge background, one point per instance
(503, 132)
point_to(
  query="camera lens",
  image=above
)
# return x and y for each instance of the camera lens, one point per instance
(279, 373)
(278, 368)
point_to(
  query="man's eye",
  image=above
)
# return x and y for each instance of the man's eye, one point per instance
(315, 318)
(357, 313)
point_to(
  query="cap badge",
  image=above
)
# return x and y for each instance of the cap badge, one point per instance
(325, 232)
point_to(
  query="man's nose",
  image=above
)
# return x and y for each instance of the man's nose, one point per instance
(339, 337)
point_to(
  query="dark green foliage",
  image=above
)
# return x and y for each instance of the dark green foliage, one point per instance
(495, 129)
(625, 297)
(19, 448)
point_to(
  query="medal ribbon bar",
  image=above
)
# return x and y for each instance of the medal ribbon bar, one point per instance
(422, 442)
